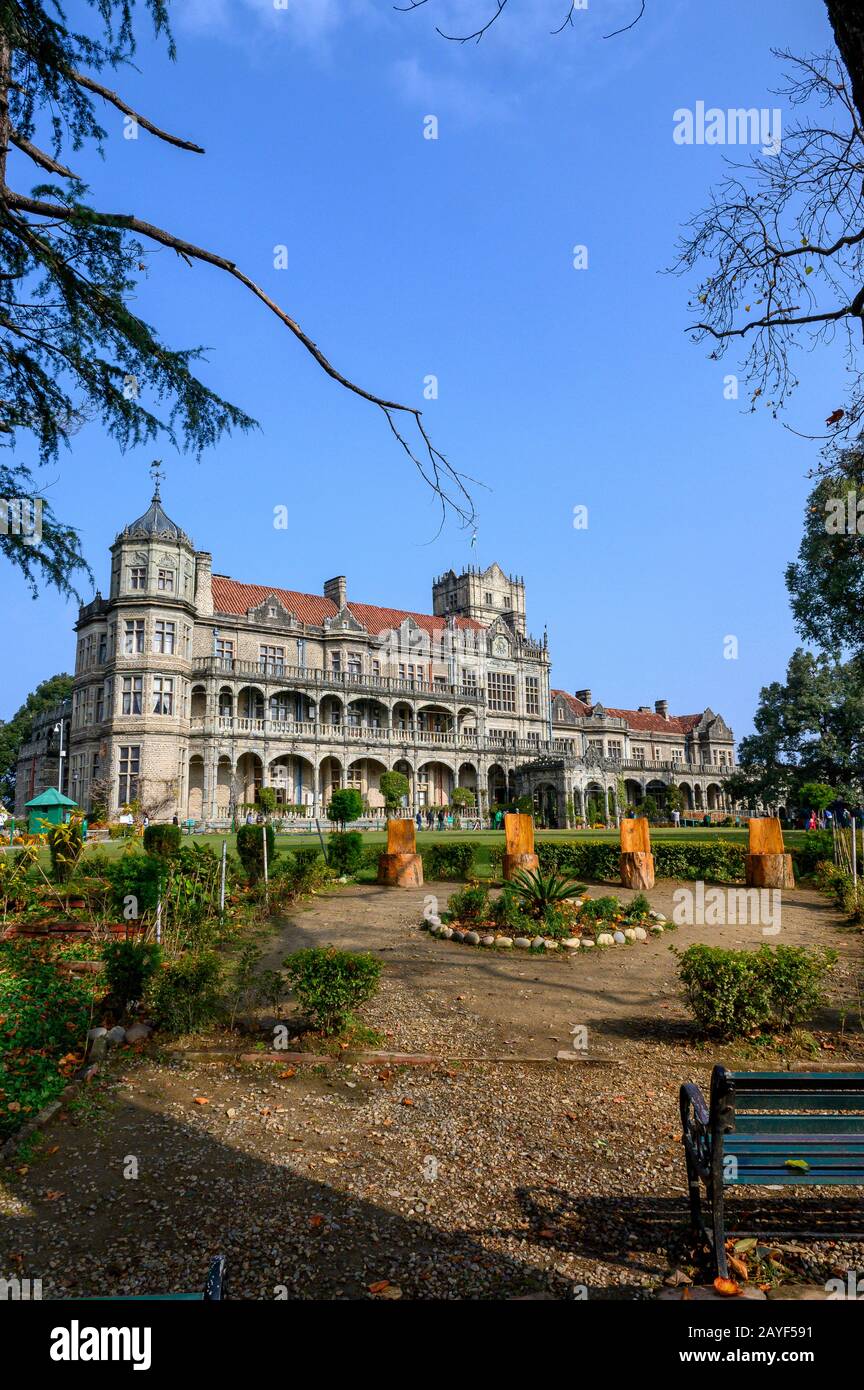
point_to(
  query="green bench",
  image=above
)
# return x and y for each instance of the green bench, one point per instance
(777, 1129)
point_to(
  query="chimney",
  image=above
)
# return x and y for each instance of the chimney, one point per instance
(584, 696)
(337, 590)
(661, 707)
(644, 709)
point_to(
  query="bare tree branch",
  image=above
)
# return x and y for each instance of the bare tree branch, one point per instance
(115, 100)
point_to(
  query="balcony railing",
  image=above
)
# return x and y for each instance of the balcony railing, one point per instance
(315, 677)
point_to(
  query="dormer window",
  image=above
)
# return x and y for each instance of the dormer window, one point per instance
(138, 577)
(165, 581)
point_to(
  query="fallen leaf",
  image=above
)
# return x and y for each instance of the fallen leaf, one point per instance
(406, 1100)
(284, 1075)
(315, 1222)
(379, 1286)
(201, 1100)
(729, 1288)
(738, 1266)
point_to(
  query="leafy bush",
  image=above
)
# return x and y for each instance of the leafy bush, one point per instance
(329, 984)
(185, 994)
(45, 1017)
(345, 851)
(453, 859)
(538, 891)
(129, 967)
(605, 909)
(638, 908)
(65, 843)
(162, 840)
(470, 904)
(121, 832)
(591, 859)
(736, 993)
(250, 847)
(135, 876)
(508, 912)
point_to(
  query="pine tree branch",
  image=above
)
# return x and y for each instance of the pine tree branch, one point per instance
(40, 157)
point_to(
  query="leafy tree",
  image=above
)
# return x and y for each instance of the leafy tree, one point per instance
(826, 582)
(393, 786)
(816, 796)
(673, 799)
(72, 347)
(267, 800)
(809, 728)
(47, 696)
(463, 797)
(345, 805)
(648, 808)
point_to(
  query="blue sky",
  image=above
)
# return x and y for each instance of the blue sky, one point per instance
(453, 257)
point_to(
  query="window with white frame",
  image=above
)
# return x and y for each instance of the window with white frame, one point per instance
(532, 694)
(133, 687)
(129, 772)
(137, 577)
(165, 581)
(502, 691)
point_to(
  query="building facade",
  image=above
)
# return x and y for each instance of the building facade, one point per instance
(193, 691)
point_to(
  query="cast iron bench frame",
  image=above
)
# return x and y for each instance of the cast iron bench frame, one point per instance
(760, 1122)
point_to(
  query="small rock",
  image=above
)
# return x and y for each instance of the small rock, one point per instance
(456, 934)
(446, 932)
(537, 943)
(585, 942)
(572, 943)
(657, 929)
(658, 916)
(472, 938)
(522, 941)
(550, 944)
(504, 941)
(138, 1032)
(488, 941)
(605, 938)
(619, 938)
(640, 933)
(629, 934)
(116, 1035)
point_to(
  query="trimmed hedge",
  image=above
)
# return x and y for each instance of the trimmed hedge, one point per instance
(455, 859)
(162, 840)
(711, 861)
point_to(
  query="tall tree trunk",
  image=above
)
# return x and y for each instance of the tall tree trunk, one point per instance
(847, 21)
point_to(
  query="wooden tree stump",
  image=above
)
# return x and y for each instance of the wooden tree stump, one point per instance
(400, 870)
(637, 868)
(769, 871)
(512, 863)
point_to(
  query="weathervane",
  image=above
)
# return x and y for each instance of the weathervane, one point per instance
(157, 474)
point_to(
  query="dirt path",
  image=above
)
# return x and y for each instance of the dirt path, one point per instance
(464, 1180)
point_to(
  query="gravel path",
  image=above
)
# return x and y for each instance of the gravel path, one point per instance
(469, 1179)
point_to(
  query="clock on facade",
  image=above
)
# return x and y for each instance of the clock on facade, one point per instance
(500, 647)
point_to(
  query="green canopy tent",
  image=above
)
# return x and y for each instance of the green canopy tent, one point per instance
(51, 806)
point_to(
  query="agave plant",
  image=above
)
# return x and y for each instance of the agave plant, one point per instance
(539, 891)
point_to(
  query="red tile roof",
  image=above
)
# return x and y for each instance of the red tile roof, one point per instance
(642, 722)
(230, 596)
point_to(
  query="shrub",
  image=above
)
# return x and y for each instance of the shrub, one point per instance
(250, 847)
(605, 909)
(450, 860)
(162, 840)
(345, 805)
(65, 843)
(129, 967)
(638, 908)
(121, 832)
(329, 984)
(736, 993)
(137, 877)
(45, 1018)
(184, 995)
(470, 904)
(345, 851)
(591, 859)
(267, 800)
(508, 913)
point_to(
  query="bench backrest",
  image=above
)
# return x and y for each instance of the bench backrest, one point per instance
(766, 835)
(401, 837)
(788, 1102)
(518, 833)
(635, 835)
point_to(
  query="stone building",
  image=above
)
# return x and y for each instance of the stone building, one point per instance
(194, 690)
